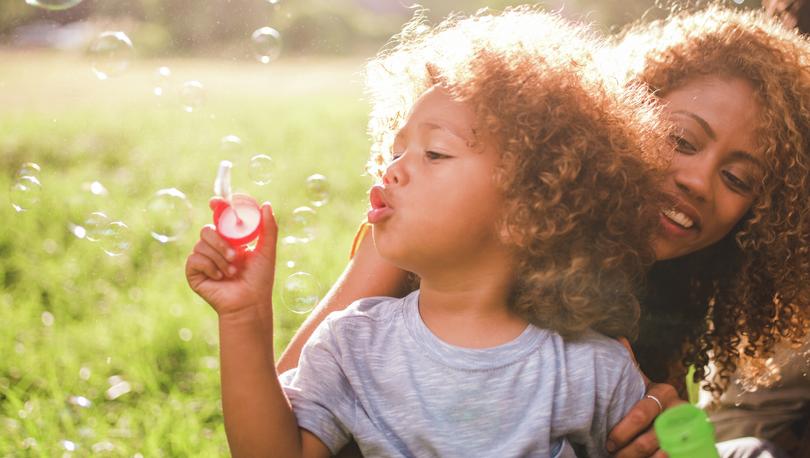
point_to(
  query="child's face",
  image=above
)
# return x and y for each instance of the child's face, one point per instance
(438, 207)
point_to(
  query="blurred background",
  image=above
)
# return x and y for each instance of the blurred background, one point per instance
(114, 116)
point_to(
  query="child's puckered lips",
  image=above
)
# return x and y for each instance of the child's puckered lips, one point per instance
(380, 210)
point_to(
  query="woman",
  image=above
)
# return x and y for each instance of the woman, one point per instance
(732, 247)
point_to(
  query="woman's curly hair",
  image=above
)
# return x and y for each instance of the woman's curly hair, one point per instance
(746, 291)
(576, 151)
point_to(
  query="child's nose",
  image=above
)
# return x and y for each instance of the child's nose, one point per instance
(395, 173)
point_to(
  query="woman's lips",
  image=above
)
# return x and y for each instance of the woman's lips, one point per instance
(673, 229)
(380, 211)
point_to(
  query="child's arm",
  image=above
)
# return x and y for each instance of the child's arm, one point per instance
(366, 275)
(258, 417)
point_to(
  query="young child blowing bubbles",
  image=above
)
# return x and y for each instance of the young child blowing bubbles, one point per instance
(514, 185)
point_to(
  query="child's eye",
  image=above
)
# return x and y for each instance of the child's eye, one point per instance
(395, 155)
(433, 155)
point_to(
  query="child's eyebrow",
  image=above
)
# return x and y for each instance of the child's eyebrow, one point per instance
(449, 129)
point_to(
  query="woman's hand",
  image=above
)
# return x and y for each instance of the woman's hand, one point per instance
(234, 280)
(633, 436)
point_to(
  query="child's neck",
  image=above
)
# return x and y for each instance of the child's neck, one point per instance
(469, 308)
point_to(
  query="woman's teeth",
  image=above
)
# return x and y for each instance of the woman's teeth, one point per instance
(678, 218)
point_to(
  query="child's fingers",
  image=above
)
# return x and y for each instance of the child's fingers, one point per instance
(267, 239)
(203, 248)
(200, 264)
(210, 236)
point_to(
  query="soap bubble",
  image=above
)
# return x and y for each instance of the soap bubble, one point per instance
(261, 169)
(163, 79)
(266, 44)
(300, 292)
(25, 193)
(302, 225)
(169, 215)
(317, 190)
(80, 401)
(116, 238)
(28, 169)
(291, 251)
(192, 96)
(54, 5)
(95, 225)
(111, 53)
(231, 145)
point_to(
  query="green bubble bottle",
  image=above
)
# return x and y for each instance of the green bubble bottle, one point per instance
(685, 431)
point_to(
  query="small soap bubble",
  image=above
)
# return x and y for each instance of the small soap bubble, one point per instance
(25, 193)
(739, 2)
(118, 387)
(302, 225)
(291, 251)
(47, 319)
(103, 446)
(28, 169)
(266, 44)
(53, 5)
(300, 292)
(97, 189)
(163, 81)
(192, 96)
(116, 238)
(231, 145)
(84, 373)
(169, 215)
(261, 169)
(110, 53)
(185, 334)
(317, 190)
(95, 225)
(29, 442)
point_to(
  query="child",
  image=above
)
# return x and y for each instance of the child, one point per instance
(512, 183)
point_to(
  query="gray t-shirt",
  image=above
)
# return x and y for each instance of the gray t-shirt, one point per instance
(375, 373)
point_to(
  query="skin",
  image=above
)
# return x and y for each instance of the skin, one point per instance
(699, 176)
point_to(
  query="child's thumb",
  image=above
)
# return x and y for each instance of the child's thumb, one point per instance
(266, 244)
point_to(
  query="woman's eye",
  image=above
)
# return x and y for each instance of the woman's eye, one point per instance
(737, 183)
(682, 144)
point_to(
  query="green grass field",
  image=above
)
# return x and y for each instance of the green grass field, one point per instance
(77, 323)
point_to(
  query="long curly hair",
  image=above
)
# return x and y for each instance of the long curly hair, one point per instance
(578, 155)
(747, 291)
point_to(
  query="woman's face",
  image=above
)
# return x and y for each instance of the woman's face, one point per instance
(716, 166)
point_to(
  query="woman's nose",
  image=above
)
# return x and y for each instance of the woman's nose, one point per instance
(693, 175)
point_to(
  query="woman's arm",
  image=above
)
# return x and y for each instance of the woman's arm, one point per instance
(366, 275)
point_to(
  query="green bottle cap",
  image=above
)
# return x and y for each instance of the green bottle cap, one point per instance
(685, 431)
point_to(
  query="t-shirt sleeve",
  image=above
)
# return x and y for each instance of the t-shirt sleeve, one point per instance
(628, 391)
(320, 394)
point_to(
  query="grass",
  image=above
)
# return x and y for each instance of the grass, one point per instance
(78, 323)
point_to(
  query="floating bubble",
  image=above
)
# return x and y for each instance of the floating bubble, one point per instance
(28, 169)
(300, 292)
(185, 334)
(302, 225)
(192, 96)
(266, 44)
(317, 190)
(163, 79)
(272, 2)
(103, 446)
(47, 319)
(96, 188)
(168, 214)
(84, 373)
(95, 225)
(261, 169)
(53, 5)
(231, 145)
(70, 446)
(116, 238)
(111, 53)
(291, 251)
(739, 2)
(25, 193)
(118, 387)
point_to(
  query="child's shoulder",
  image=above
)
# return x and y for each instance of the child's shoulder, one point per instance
(600, 347)
(377, 308)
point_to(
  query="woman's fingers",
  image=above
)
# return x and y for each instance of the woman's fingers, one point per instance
(643, 446)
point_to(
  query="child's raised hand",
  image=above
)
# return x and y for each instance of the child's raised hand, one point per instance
(234, 280)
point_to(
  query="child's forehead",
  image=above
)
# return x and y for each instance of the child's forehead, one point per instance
(437, 109)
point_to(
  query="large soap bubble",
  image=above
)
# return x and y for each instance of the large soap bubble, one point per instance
(169, 215)
(110, 53)
(53, 5)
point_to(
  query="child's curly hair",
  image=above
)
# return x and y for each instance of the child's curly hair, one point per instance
(576, 154)
(753, 283)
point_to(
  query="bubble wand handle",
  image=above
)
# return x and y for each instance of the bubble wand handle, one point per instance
(222, 185)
